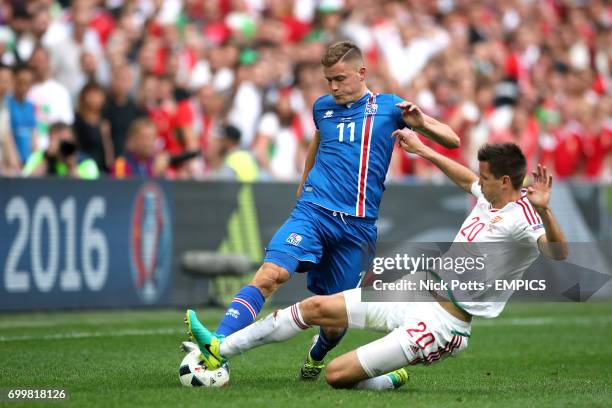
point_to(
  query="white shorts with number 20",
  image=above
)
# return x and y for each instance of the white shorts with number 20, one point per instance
(419, 332)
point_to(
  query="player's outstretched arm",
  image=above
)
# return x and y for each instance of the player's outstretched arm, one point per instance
(460, 175)
(552, 244)
(433, 129)
(310, 160)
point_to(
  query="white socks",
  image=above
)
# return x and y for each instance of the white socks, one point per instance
(382, 382)
(278, 326)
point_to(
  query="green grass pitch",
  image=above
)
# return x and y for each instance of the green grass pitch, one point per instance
(533, 355)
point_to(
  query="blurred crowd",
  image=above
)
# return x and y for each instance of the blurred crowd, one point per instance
(202, 89)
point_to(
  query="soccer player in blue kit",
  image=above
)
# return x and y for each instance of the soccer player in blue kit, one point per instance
(331, 232)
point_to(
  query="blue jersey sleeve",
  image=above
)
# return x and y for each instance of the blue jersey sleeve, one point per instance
(315, 111)
(397, 112)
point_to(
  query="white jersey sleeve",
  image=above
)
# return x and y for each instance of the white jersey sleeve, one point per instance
(529, 227)
(476, 190)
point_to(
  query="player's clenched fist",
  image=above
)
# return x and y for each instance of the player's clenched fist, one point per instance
(408, 140)
(412, 114)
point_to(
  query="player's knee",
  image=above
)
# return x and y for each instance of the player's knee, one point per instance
(313, 308)
(334, 380)
(269, 277)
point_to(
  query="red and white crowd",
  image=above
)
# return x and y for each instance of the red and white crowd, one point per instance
(536, 72)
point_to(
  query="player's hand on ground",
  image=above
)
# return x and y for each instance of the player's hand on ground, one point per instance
(412, 114)
(408, 140)
(538, 192)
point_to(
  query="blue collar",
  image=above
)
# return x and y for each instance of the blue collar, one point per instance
(360, 100)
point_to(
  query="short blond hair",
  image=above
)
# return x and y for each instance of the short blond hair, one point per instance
(340, 52)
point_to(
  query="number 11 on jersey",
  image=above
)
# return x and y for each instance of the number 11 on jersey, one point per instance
(351, 127)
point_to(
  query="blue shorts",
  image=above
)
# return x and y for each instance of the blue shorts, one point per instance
(333, 248)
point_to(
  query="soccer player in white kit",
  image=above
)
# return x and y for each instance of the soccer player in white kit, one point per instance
(422, 332)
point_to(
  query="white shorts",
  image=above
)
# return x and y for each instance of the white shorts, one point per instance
(419, 332)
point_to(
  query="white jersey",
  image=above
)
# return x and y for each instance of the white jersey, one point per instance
(516, 223)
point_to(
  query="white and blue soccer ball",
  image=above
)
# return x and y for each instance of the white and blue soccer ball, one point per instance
(193, 372)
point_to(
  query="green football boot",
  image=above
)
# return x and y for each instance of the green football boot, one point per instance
(208, 342)
(311, 369)
(399, 377)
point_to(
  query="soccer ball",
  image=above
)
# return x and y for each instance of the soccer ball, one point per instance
(193, 372)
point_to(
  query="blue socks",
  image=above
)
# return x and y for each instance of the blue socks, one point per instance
(324, 345)
(242, 311)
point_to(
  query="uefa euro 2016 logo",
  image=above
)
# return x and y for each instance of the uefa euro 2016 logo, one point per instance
(150, 242)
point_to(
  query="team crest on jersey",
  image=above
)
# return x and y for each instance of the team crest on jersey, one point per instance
(496, 219)
(294, 239)
(371, 108)
(328, 114)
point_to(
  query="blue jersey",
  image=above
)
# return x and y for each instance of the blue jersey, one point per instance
(354, 153)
